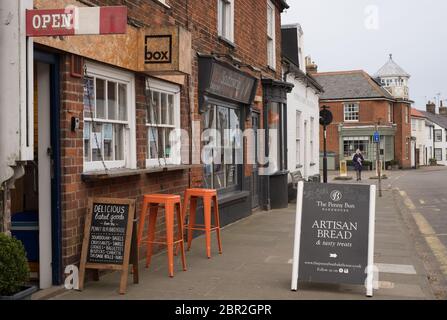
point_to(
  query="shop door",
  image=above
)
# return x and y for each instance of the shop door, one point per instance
(255, 183)
(47, 102)
(44, 176)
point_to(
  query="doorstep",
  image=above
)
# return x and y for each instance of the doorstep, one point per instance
(49, 293)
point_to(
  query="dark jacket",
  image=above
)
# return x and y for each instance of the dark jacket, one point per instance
(358, 162)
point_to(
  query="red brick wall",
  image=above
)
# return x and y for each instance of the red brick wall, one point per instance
(402, 141)
(200, 17)
(369, 113)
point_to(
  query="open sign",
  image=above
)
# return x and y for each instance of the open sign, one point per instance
(76, 21)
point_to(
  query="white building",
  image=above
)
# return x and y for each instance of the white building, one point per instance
(438, 133)
(303, 110)
(422, 139)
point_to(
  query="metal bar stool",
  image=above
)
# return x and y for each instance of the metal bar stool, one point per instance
(208, 196)
(170, 202)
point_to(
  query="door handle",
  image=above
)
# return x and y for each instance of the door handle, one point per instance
(50, 152)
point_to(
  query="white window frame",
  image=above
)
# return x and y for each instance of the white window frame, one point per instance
(407, 115)
(298, 139)
(390, 113)
(225, 29)
(129, 136)
(311, 140)
(345, 112)
(168, 88)
(271, 38)
(436, 131)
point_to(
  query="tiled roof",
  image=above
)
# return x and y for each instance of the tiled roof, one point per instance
(391, 69)
(416, 113)
(350, 85)
(440, 120)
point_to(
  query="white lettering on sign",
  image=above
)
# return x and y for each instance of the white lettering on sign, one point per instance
(63, 20)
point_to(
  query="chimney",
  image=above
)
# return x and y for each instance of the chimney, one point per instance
(311, 67)
(442, 109)
(431, 107)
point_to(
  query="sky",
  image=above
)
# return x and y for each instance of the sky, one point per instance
(360, 34)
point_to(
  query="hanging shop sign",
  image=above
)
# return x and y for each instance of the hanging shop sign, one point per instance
(165, 50)
(334, 235)
(109, 239)
(76, 21)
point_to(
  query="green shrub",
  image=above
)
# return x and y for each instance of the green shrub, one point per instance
(14, 269)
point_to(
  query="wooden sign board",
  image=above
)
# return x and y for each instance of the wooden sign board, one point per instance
(334, 235)
(109, 239)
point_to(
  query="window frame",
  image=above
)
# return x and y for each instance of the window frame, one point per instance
(298, 139)
(106, 73)
(215, 104)
(355, 104)
(175, 90)
(271, 38)
(224, 30)
(437, 131)
(390, 113)
(440, 153)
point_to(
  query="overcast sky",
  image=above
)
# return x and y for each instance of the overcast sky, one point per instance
(360, 34)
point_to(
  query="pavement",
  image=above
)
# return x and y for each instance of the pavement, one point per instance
(257, 257)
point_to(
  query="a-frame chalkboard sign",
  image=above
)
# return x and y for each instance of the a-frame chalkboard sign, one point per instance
(109, 239)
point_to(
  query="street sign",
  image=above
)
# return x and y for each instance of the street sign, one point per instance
(109, 239)
(326, 117)
(334, 235)
(76, 21)
(376, 137)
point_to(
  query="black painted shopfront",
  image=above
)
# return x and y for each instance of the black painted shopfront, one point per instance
(226, 95)
(275, 175)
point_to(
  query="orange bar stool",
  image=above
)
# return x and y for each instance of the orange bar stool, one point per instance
(208, 196)
(171, 203)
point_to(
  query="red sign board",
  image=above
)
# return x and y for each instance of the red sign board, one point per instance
(76, 21)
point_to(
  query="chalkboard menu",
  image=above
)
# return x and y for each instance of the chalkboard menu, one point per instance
(109, 238)
(108, 233)
(334, 236)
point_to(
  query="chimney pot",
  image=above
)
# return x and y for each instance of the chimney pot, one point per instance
(431, 107)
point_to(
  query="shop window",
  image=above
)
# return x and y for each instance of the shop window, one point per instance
(438, 154)
(271, 35)
(351, 112)
(223, 147)
(109, 126)
(163, 123)
(352, 144)
(225, 19)
(274, 126)
(438, 135)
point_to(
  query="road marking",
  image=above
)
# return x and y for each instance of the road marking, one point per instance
(386, 285)
(396, 268)
(436, 246)
(421, 201)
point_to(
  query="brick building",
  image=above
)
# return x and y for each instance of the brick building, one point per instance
(105, 130)
(359, 102)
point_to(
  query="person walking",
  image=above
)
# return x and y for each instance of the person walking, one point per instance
(358, 163)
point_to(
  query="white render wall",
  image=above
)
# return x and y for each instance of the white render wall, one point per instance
(441, 145)
(423, 141)
(306, 101)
